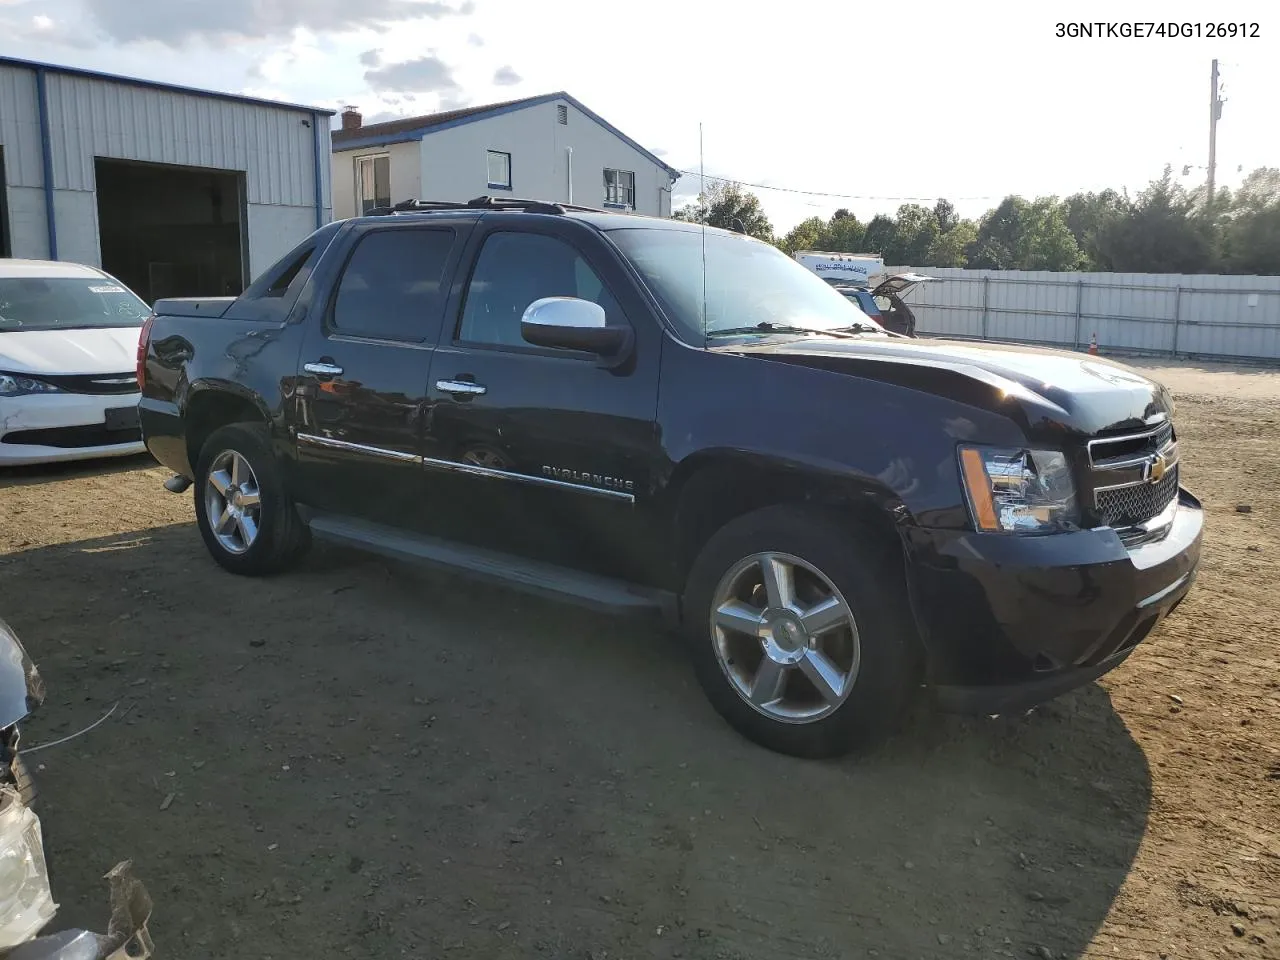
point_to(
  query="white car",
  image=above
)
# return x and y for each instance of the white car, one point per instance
(68, 362)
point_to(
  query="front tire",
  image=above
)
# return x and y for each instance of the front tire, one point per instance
(800, 631)
(243, 508)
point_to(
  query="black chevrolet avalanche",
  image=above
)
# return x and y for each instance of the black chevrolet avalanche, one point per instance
(645, 415)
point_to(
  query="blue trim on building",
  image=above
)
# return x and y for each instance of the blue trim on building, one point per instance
(46, 160)
(317, 170)
(363, 143)
(157, 85)
(405, 136)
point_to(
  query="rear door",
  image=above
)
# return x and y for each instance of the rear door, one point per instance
(361, 384)
(543, 452)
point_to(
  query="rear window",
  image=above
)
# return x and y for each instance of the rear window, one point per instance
(68, 303)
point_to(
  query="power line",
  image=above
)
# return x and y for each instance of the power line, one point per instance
(822, 193)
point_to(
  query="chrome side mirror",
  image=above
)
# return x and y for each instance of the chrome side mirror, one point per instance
(570, 323)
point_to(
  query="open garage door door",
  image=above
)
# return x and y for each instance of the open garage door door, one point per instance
(170, 231)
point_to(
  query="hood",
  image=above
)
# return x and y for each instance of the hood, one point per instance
(71, 351)
(21, 688)
(1055, 388)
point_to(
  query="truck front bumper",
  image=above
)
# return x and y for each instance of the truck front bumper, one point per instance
(1012, 621)
(127, 937)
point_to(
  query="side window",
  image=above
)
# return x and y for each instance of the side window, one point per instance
(391, 288)
(515, 269)
(280, 285)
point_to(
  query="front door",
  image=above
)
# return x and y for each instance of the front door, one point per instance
(360, 391)
(546, 453)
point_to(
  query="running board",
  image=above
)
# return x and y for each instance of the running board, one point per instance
(518, 573)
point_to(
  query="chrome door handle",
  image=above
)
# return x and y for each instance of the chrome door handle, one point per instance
(323, 369)
(461, 387)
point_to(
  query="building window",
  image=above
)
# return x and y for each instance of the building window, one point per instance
(562, 115)
(373, 182)
(499, 170)
(620, 188)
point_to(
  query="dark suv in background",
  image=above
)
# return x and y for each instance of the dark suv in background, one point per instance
(884, 303)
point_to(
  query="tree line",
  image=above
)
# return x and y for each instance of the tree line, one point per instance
(1166, 228)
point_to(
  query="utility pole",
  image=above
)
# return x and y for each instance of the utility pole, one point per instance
(1215, 112)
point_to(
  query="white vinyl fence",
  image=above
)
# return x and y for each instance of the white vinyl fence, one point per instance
(1174, 315)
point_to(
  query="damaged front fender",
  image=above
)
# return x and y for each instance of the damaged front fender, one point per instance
(127, 937)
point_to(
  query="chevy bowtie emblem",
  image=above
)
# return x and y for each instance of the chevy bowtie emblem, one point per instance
(1159, 467)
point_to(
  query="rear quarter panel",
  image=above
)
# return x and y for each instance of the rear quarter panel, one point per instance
(189, 360)
(246, 355)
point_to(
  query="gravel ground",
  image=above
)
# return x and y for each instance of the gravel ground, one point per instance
(363, 759)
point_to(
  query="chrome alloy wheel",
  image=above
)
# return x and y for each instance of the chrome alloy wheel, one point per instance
(233, 502)
(785, 637)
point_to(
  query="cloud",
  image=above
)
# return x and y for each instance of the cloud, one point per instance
(454, 101)
(476, 40)
(175, 22)
(30, 22)
(506, 77)
(371, 58)
(423, 75)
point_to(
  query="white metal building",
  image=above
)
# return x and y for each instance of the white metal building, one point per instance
(543, 148)
(176, 191)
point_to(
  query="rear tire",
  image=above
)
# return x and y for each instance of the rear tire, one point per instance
(800, 631)
(243, 508)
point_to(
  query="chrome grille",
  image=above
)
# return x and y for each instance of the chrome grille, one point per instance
(1132, 505)
(1128, 488)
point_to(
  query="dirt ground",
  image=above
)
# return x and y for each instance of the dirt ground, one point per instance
(360, 759)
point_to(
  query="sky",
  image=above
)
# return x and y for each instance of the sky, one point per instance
(891, 104)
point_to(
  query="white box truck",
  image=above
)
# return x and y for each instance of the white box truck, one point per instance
(852, 268)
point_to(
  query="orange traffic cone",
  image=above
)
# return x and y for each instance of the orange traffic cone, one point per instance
(1093, 344)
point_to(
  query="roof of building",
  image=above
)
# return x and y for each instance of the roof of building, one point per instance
(415, 128)
(157, 85)
(415, 125)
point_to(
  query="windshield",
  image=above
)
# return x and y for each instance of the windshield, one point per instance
(749, 284)
(62, 303)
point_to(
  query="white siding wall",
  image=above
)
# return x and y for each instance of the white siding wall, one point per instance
(451, 164)
(273, 231)
(23, 167)
(91, 117)
(406, 176)
(454, 165)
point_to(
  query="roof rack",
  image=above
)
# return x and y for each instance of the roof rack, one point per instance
(480, 203)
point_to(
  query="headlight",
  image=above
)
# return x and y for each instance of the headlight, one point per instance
(1019, 491)
(17, 385)
(26, 902)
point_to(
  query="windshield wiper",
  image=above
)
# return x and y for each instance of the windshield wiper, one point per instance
(863, 328)
(766, 327)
